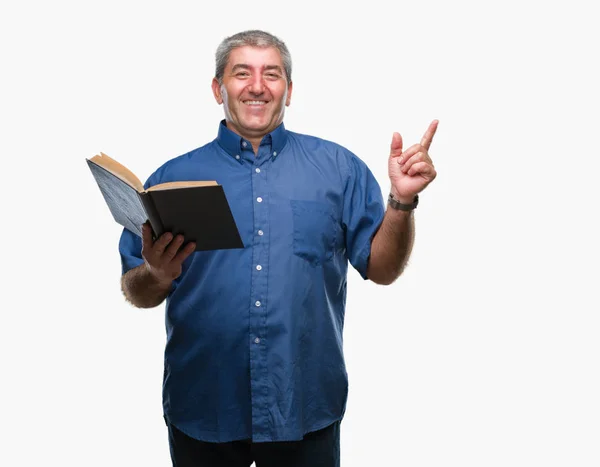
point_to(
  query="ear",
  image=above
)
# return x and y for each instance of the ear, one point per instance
(216, 89)
(289, 94)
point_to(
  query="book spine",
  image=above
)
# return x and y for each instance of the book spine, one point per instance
(155, 222)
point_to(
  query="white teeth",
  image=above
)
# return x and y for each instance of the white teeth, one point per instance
(254, 102)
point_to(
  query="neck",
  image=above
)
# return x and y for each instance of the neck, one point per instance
(255, 142)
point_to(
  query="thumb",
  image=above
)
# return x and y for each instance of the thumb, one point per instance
(396, 146)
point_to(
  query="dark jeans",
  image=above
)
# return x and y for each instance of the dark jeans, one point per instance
(318, 449)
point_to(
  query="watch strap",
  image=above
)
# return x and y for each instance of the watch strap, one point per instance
(394, 203)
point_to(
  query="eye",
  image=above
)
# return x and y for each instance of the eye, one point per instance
(272, 76)
(242, 74)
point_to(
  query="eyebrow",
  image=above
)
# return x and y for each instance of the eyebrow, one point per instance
(243, 66)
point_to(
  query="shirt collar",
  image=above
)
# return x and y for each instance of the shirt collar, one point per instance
(234, 144)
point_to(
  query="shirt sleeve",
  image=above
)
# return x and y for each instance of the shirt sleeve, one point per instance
(130, 249)
(363, 213)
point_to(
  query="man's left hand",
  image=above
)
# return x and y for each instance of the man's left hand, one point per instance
(412, 170)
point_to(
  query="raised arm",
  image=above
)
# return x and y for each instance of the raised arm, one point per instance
(410, 172)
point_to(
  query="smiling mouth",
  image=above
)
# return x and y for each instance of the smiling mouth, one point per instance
(255, 103)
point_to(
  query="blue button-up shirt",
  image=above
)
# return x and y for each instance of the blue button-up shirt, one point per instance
(254, 335)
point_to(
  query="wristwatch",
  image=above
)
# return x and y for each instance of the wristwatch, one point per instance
(394, 203)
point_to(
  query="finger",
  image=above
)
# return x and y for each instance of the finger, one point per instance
(396, 146)
(161, 244)
(424, 169)
(147, 241)
(173, 247)
(415, 148)
(418, 157)
(428, 136)
(184, 252)
(146, 235)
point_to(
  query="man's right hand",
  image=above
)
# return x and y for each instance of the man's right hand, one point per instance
(164, 257)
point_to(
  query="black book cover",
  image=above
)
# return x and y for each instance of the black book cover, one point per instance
(201, 214)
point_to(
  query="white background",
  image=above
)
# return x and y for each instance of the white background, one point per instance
(484, 353)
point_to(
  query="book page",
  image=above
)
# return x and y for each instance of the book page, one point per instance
(174, 185)
(118, 170)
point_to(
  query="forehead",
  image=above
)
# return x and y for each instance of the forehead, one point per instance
(255, 57)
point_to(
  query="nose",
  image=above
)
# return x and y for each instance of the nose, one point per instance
(256, 85)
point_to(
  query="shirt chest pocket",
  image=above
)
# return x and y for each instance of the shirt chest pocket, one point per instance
(315, 231)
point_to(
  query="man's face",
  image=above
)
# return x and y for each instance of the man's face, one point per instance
(254, 92)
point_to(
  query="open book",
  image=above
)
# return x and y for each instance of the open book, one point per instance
(196, 209)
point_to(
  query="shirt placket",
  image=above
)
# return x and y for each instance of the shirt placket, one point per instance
(258, 306)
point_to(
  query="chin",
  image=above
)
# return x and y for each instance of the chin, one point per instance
(257, 126)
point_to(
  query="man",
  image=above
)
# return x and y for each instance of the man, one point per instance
(254, 367)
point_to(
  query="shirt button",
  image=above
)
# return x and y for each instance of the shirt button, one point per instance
(257, 303)
(257, 341)
(237, 156)
(244, 143)
(274, 153)
(260, 232)
(257, 170)
(259, 199)
(258, 267)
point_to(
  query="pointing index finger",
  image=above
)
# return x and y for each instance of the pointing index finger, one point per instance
(428, 136)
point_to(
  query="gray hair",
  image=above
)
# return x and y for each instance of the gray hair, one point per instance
(254, 38)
